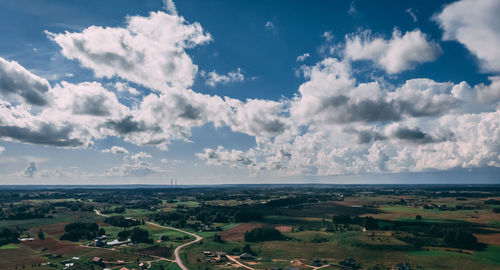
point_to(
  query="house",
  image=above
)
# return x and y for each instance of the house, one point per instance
(76, 258)
(207, 253)
(124, 268)
(97, 260)
(246, 256)
(69, 264)
(143, 266)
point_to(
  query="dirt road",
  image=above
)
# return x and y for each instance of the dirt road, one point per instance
(233, 259)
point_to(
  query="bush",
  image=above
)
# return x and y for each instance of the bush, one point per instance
(263, 234)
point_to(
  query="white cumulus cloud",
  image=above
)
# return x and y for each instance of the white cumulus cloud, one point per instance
(400, 53)
(18, 82)
(213, 78)
(475, 24)
(149, 51)
(115, 150)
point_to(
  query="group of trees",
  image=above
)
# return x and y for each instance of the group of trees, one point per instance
(460, 239)
(8, 236)
(136, 235)
(73, 206)
(264, 234)
(208, 215)
(175, 219)
(27, 211)
(436, 234)
(22, 212)
(87, 230)
(368, 222)
(80, 230)
(120, 221)
(291, 201)
(12, 236)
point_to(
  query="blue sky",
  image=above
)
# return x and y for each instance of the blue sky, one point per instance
(249, 91)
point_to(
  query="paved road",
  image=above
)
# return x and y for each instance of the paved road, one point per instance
(176, 252)
(177, 257)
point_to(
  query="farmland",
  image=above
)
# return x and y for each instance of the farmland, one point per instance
(305, 227)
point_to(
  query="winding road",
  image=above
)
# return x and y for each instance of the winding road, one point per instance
(177, 249)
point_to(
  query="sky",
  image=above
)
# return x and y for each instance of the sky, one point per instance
(221, 92)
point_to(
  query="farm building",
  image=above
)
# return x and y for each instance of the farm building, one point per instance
(246, 256)
(26, 239)
(116, 242)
